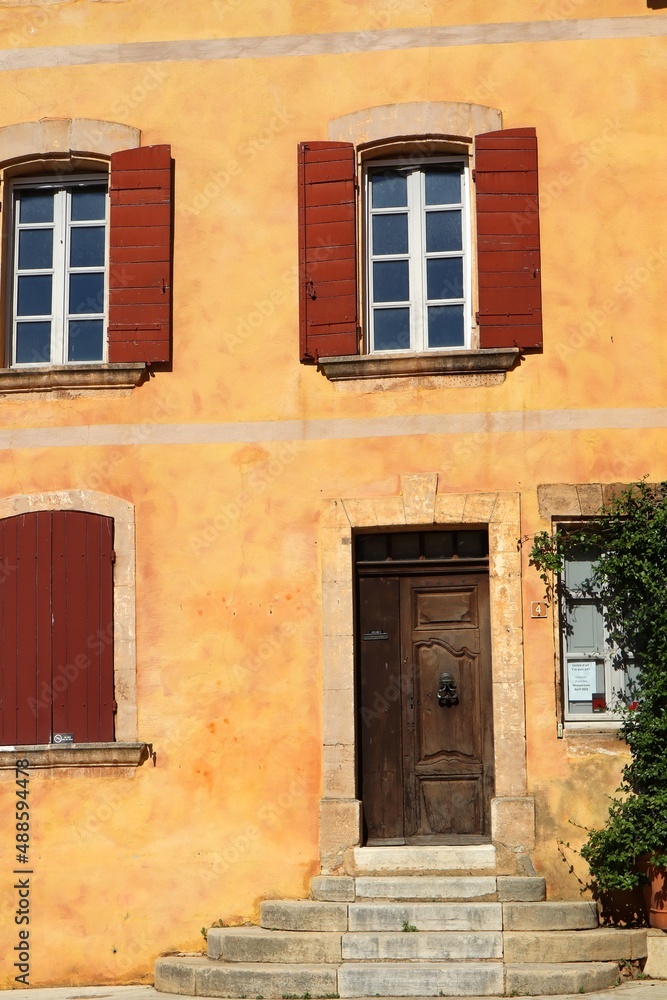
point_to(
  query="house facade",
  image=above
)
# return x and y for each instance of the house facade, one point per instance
(312, 315)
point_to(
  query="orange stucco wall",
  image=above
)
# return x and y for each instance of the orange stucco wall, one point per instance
(128, 865)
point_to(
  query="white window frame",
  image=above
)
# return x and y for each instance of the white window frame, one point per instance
(60, 269)
(613, 678)
(416, 210)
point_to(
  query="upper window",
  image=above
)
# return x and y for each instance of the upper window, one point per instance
(418, 274)
(58, 279)
(596, 681)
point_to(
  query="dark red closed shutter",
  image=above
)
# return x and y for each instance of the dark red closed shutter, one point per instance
(56, 621)
(140, 251)
(508, 239)
(327, 250)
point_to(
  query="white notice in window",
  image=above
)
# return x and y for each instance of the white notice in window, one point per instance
(581, 680)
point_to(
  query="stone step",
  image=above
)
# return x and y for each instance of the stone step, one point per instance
(376, 916)
(428, 887)
(303, 915)
(554, 979)
(255, 944)
(422, 946)
(398, 979)
(205, 977)
(557, 916)
(422, 860)
(602, 944)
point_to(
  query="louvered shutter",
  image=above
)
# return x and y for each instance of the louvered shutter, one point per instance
(327, 250)
(140, 252)
(508, 239)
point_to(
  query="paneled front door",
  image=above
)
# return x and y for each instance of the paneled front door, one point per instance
(425, 705)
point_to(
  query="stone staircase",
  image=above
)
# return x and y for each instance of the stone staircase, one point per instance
(409, 935)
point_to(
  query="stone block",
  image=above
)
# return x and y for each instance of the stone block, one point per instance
(361, 513)
(555, 916)
(340, 829)
(550, 980)
(656, 947)
(449, 508)
(422, 946)
(590, 499)
(378, 916)
(176, 974)
(390, 860)
(336, 552)
(218, 980)
(338, 771)
(254, 944)
(396, 979)
(431, 887)
(520, 888)
(303, 915)
(389, 511)
(479, 507)
(558, 500)
(332, 888)
(601, 944)
(419, 497)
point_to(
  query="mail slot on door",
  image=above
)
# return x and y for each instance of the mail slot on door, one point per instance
(375, 634)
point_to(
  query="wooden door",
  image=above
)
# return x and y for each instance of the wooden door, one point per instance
(425, 707)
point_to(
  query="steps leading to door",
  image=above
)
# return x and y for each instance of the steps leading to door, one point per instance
(485, 935)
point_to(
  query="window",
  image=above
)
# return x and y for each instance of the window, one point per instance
(58, 279)
(596, 683)
(415, 261)
(418, 275)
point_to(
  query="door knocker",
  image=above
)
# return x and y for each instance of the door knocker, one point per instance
(447, 693)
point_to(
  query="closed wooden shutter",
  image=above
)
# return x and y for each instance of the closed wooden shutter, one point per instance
(140, 251)
(327, 250)
(56, 622)
(508, 239)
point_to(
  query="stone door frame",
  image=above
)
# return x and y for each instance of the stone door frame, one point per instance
(420, 504)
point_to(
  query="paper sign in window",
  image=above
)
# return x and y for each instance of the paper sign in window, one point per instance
(582, 680)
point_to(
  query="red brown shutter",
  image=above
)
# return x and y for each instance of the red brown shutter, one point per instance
(140, 255)
(327, 251)
(508, 239)
(56, 627)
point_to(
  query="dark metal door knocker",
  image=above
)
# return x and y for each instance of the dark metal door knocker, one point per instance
(447, 693)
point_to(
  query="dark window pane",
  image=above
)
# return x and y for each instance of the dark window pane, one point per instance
(88, 203)
(391, 281)
(438, 544)
(443, 185)
(471, 544)
(389, 190)
(85, 340)
(390, 234)
(371, 548)
(405, 546)
(87, 246)
(445, 326)
(35, 249)
(443, 231)
(36, 206)
(34, 295)
(391, 329)
(444, 278)
(86, 293)
(33, 343)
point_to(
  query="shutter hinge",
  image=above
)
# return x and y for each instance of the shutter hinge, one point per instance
(474, 175)
(477, 318)
(113, 555)
(114, 705)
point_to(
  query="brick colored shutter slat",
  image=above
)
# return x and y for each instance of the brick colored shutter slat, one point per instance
(327, 251)
(508, 239)
(140, 244)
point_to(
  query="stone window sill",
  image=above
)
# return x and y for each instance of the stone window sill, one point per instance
(494, 361)
(76, 755)
(82, 377)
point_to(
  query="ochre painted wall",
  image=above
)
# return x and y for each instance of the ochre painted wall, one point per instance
(128, 865)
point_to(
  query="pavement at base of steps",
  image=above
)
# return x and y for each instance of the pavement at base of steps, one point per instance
(636, 990)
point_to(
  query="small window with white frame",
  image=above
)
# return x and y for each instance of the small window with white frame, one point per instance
(418, 276)
(597, 680)
(58, 278)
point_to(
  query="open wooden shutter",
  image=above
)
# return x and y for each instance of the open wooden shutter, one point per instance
(327, 251)
(508, 239)
(56, 627)
(140, 255)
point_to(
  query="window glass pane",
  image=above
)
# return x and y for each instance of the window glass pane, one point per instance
(36, 206)
(585, 630)
(391, 329)
(35, 249)
(390, 234)
(389, 189)
(88, 203)
(444, 278)
(34, 295)
(443, 231)
(579, 567)
(391, 281)
(33, 343)
(471, 544)
(371, 548)
(405, 546)
(443, 185)
(87, 246)
(85, 342)
(86, 292)
(445, 326)
(438, 544)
